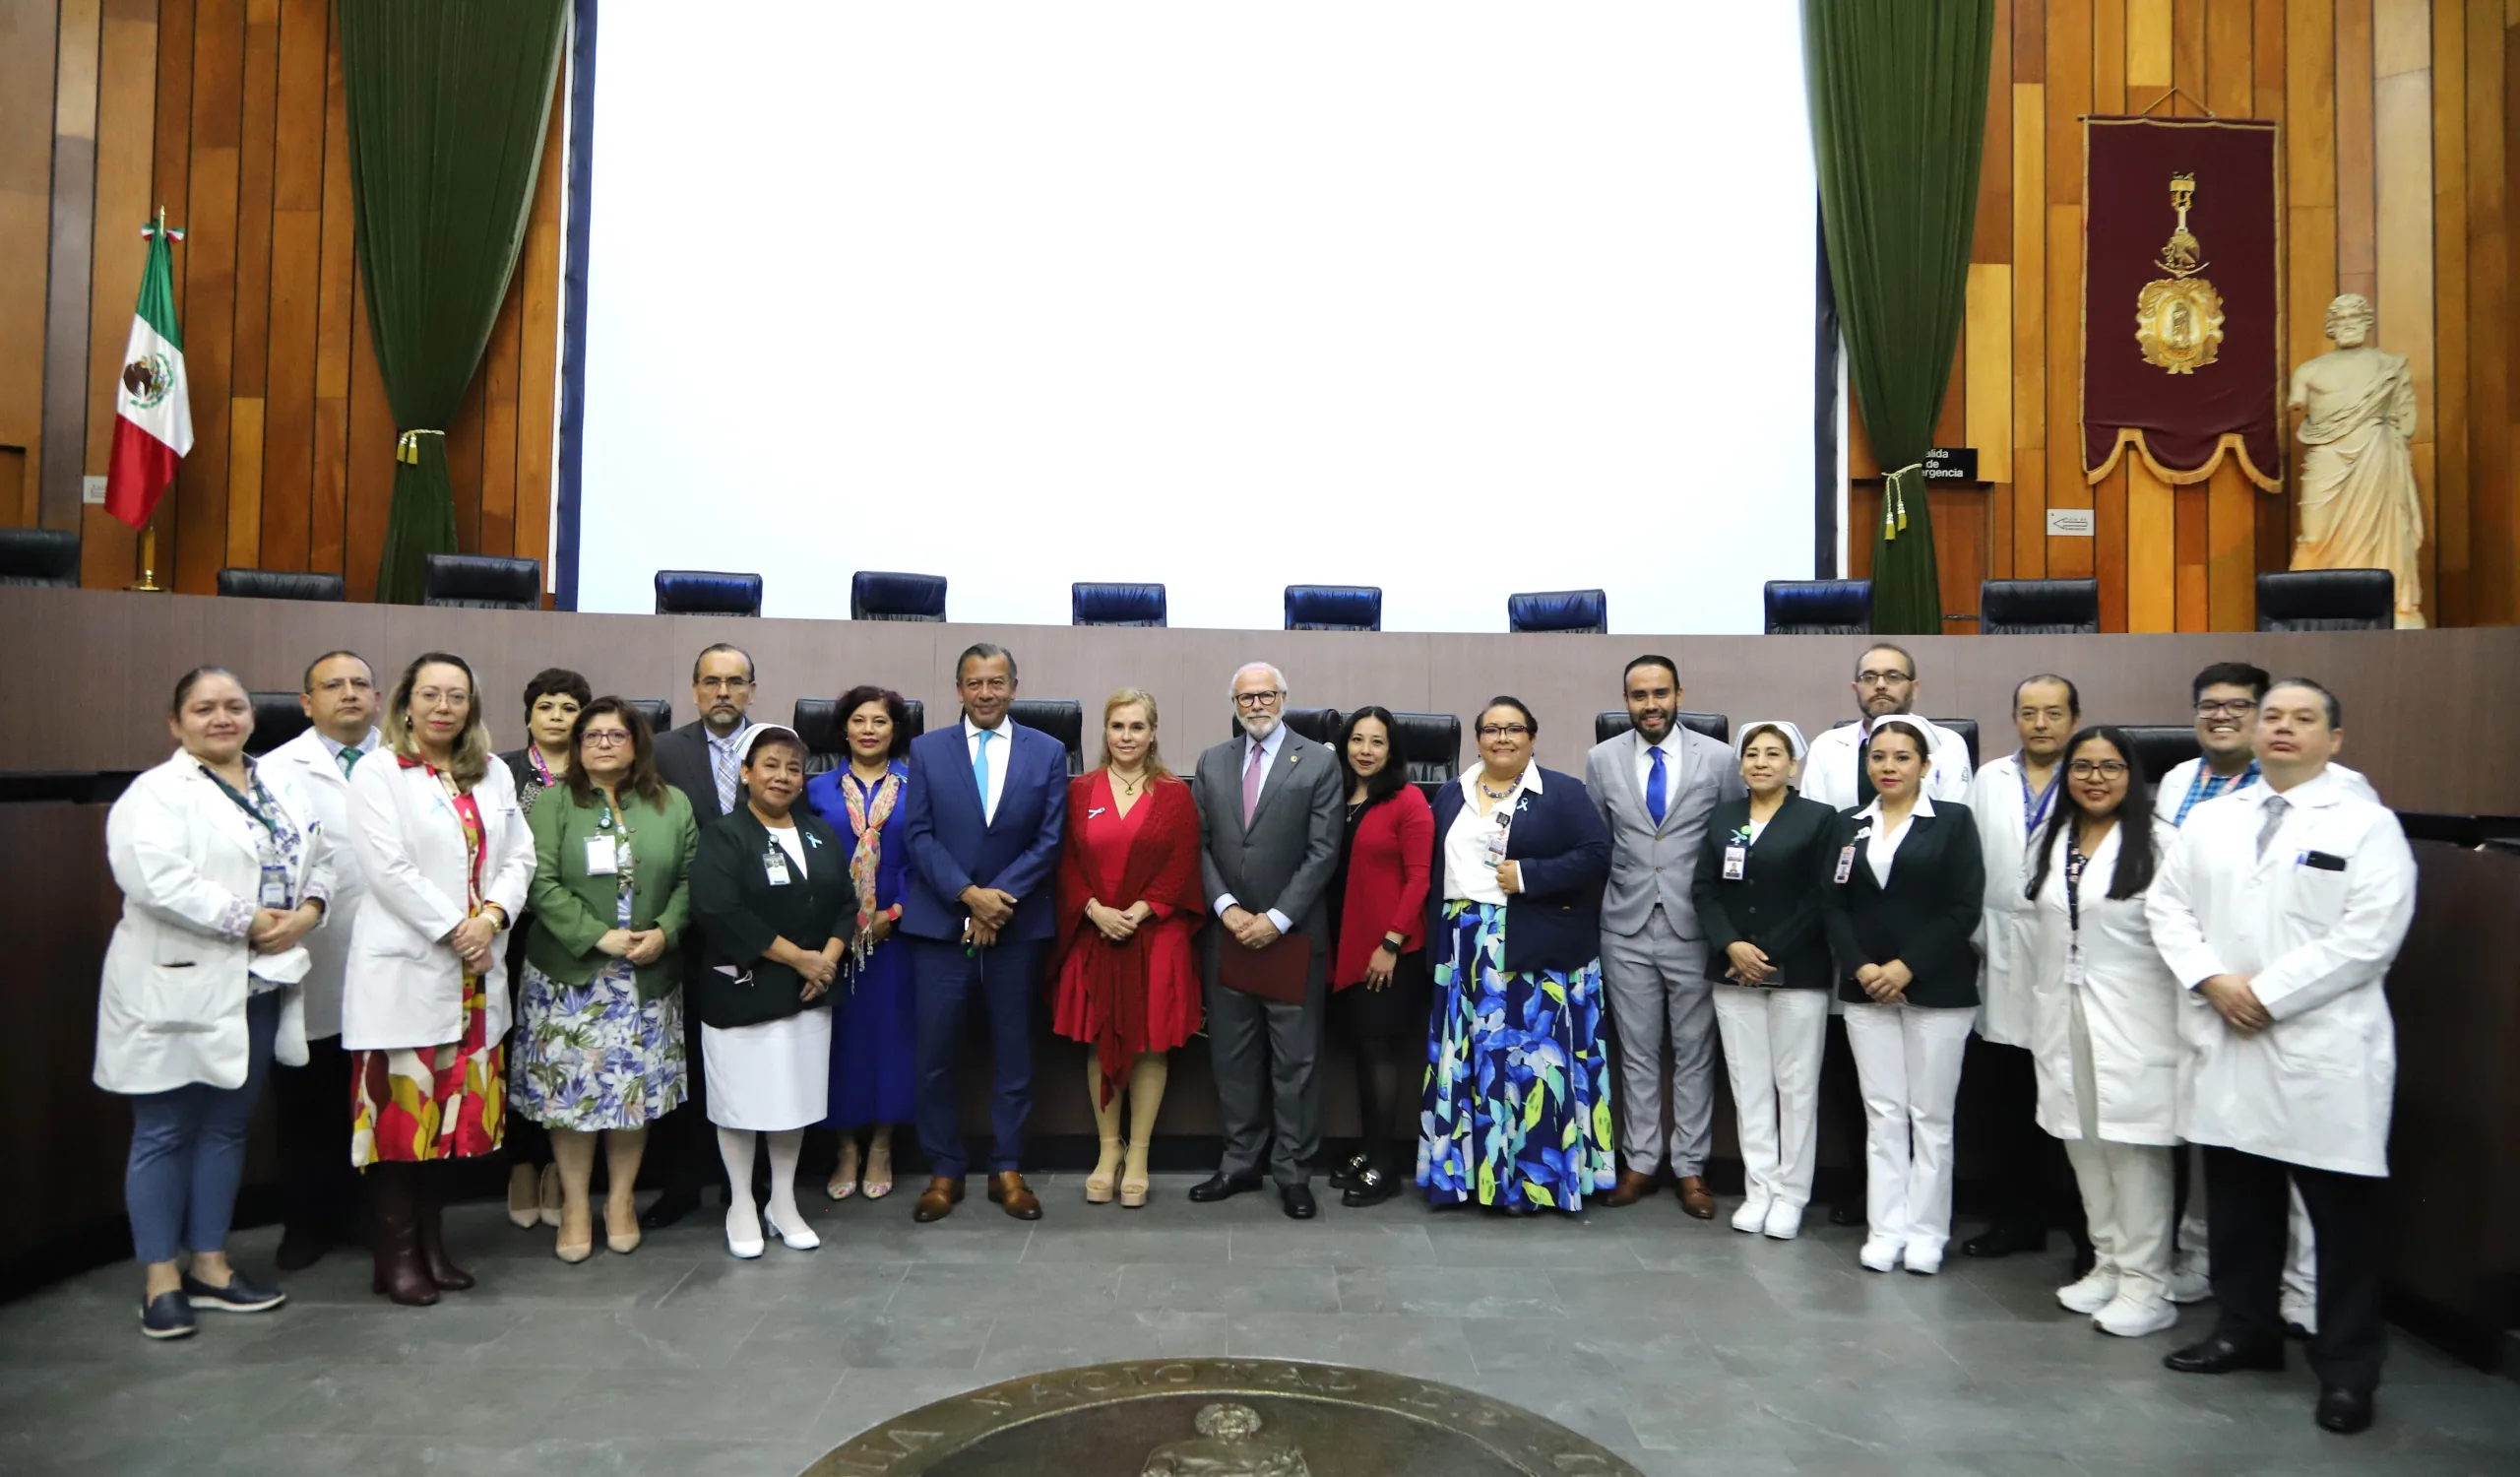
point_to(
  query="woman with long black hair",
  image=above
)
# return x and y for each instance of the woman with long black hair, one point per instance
(2104, 1027)
(1379, 984)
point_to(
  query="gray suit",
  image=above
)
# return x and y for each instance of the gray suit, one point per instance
(1282, 861)
(1653, 953)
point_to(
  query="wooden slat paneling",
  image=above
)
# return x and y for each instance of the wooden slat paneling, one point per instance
(2152, 550)
(1987, 336)
(254, 163)
(2193, 590)
(538, 356)
(2109, 545)
(2029, 324)
(2356, 231)
(498, 425)
(336, 299)
(2267, 58)
(2494, 560)
(2403, 145)
(2187, 58)
(2108, 56)
(126, 150)
(2069, 41)
(2449, 595)
(245, 480)
(1991, 237)
(207, 261)
(2231, 77)
(29, 49)
(2231, 549)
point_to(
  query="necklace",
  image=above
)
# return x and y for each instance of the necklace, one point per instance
(1492, 792)
(1128, 786)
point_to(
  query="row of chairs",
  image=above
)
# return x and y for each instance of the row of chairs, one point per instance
(2302, 600)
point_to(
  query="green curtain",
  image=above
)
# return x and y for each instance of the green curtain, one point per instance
(447, 100)
(1898, 123)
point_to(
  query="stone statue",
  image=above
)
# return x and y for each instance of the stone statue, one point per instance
(1227, 1447)
(2359, 506)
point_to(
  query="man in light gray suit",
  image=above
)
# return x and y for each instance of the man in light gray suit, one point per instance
(1269, 830)
(1654, 786)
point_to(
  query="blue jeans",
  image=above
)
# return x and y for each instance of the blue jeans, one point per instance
(948, 984)
(188, 1151)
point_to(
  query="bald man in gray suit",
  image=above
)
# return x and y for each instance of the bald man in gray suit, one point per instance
(1654, 786)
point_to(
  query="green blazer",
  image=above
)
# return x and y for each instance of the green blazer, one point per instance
(742, 913)
(573, 908)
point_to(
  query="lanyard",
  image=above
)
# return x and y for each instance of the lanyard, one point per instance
(254, 806)
(2074, 860)
(2034, 807)
(2205, 785)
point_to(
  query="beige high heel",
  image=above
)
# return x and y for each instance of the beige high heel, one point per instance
(623, 1243)
(843, 1175)
(525, 1204)
(1133, 1184)
(576, 1251)
(551, 1195)
(1097, 1186)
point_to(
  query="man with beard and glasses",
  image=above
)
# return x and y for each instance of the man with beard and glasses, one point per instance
(1654, 786)
(703, 760)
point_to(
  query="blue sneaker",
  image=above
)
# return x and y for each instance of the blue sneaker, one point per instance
(169, 1314)
(238, 1296)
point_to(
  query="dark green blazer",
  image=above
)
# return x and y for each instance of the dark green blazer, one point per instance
(574, 908)
(740, 911)
(1781, 902)
(1923, 917)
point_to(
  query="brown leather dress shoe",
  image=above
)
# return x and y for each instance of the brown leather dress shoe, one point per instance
(1694, 1199)
(938, 1201)
(1632, 1186)
(1009, 1193)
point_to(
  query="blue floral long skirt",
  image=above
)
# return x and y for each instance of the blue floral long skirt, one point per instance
(1517, 1103)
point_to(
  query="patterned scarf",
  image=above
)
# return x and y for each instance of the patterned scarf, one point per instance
(867, 820)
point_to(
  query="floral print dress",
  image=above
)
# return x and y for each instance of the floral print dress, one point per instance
(1517, 1102)
(595, 1056)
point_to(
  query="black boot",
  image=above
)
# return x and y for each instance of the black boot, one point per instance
(431, 1181)
(393, 1213)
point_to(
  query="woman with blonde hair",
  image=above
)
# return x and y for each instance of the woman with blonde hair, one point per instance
(424, 1004)
(1128, 902)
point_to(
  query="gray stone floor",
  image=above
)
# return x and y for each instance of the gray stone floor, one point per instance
(1687, 1347)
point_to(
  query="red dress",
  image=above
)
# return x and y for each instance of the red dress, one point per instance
(1141, 996)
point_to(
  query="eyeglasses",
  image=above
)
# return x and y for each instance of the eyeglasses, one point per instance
(604, 738)
(352, 684)
(2231, 709)
(725, 685)
(453, 697)
(1504, 731)
(1268, 699)
(2097, 769)
(1882, 679)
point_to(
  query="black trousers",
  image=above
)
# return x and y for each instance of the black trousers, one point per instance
(320, 1194)
(1385, 1030)
(2034, 1187)
(2246, 1230)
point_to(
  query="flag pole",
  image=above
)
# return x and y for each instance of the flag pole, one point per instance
(148, 581)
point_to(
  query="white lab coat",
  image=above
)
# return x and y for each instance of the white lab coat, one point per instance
(2171, 789)
(2008, 929)
(307, 761)
(1829, 765)
(404, 986)
(170, 1010)
(2314, 1087)
(2131, 1003)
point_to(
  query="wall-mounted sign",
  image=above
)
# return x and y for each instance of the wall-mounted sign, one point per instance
(1951, 464)
(2071, 523)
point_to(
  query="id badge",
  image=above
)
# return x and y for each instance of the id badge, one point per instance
(604, 857)
(274, 892)
(1737, 862)
(1496, 847)
(1846, 863)
(774, 866)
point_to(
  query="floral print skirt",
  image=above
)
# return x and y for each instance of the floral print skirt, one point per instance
(591, 1056)
(1517, 1102)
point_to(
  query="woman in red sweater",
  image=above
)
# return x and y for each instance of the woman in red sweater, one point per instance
(1380, 990)
(1128, 902)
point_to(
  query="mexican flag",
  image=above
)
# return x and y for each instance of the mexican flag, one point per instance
(152, 406)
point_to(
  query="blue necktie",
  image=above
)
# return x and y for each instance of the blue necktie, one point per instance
(979, 770)
(1654, 801)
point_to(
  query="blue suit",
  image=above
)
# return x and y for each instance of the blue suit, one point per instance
(953, 845)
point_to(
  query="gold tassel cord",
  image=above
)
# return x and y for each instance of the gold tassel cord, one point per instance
(407, 448)
(1894, 500)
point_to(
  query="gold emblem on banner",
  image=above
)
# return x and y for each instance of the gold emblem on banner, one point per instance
(2178, 318)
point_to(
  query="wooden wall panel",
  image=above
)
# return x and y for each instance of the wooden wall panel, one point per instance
(2029, 317)
(2152, 550)
(2357, 230)
(2448, 596)
(2193, 591)
(28, 44)
(126, 149)
(2493, 559)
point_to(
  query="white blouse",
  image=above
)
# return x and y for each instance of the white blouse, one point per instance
(1882, 847)
(1468, 874)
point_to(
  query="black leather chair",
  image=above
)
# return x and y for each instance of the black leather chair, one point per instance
(482, 582)
(1820, 607)
(2038, 608)
(1115, 604)
(2327, 599)
(279, 717)
(702, 592)
(1320, 725)
(1966, 728)
(874, 594)
(38, 556)
(1061, 718)
(1430, 746)
(1580, 612)
(1334, 608)
(817, 721)
(2162, 746)
(1609, 724)
(280, 583)
(657, 710)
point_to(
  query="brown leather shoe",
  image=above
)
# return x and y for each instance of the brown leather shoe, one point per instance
(1694, 1199)
(1632, 1186)
(938, 1201)
(1009, 1193)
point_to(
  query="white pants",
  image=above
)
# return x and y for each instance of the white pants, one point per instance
(1772, 1042)
(2127, 1189)
(1907, 1061)
(2300, 1254)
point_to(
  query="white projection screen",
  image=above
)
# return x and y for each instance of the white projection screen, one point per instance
(1454, 299)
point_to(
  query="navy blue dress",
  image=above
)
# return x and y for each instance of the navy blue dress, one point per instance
(874, 1064)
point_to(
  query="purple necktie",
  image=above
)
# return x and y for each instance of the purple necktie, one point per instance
(1251, 784)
